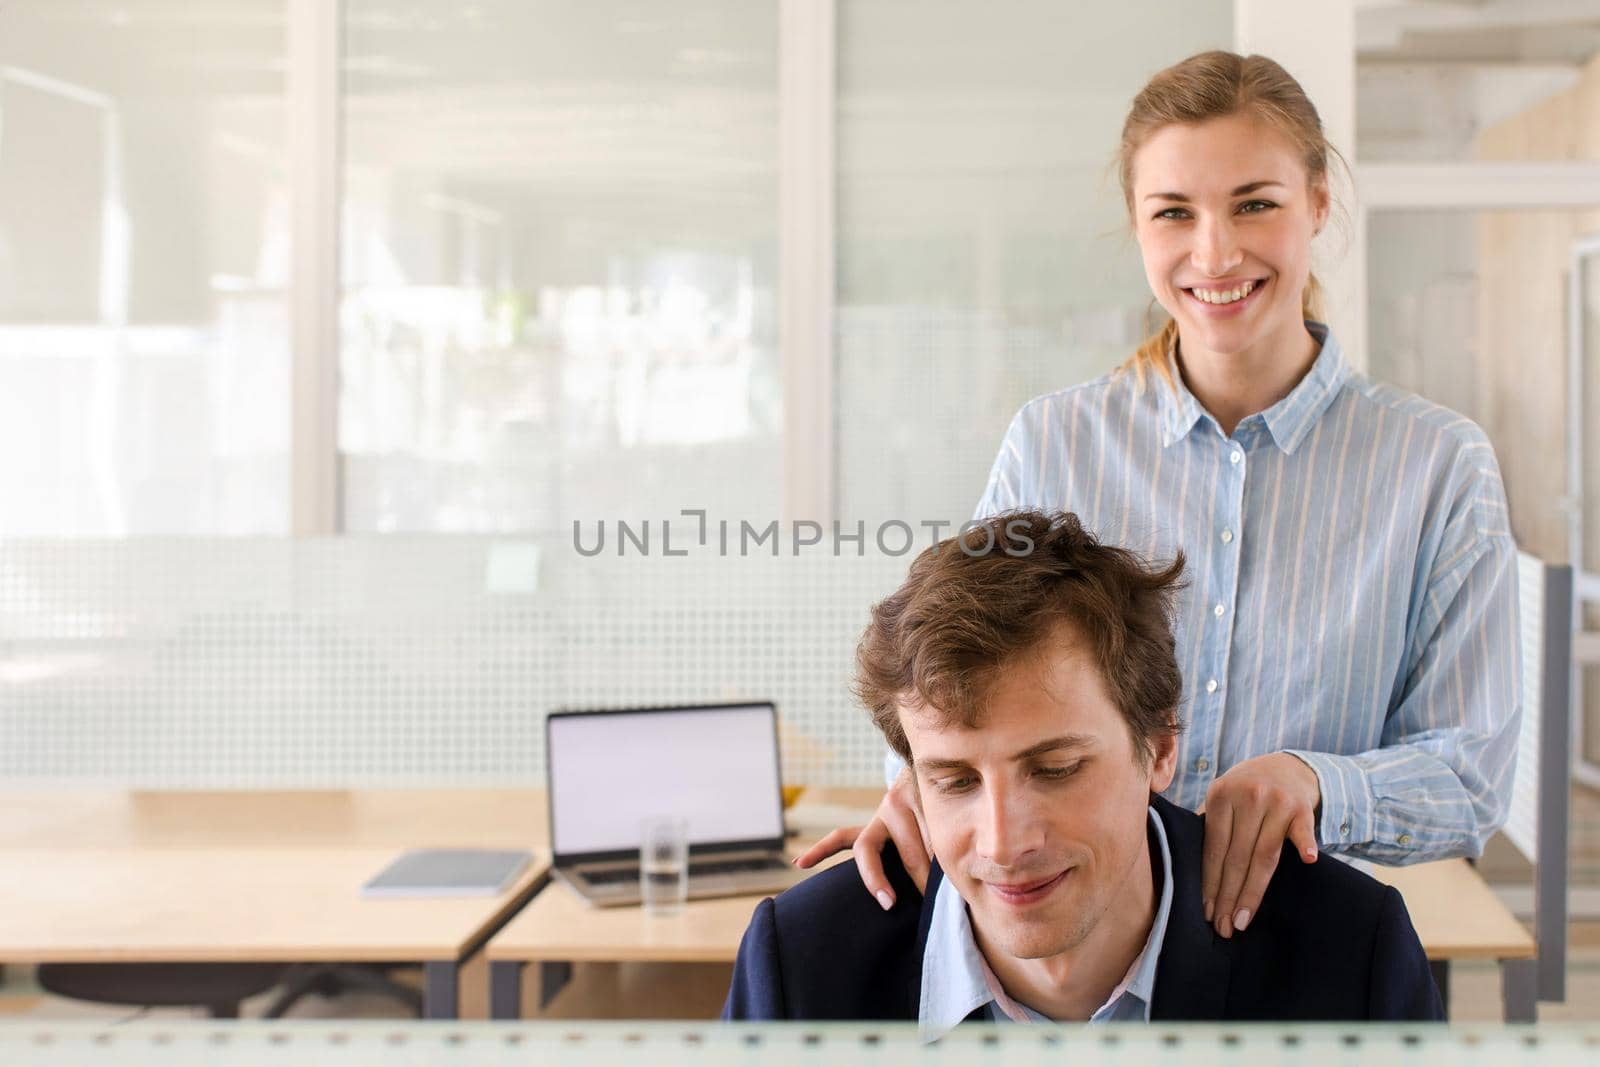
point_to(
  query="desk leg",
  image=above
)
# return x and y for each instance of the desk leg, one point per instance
(439, 989)
(505, 989)
(552, 976)
(1440, 969)
(1519, 989)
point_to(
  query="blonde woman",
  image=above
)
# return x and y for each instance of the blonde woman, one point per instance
(1347, 635)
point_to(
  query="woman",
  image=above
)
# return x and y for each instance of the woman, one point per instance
(1347, 636)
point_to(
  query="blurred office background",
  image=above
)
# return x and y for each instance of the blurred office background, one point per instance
(321, 324)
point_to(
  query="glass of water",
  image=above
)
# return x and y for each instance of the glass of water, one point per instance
(664, 864)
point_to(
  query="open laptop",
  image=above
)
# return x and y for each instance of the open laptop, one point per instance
(714, 765)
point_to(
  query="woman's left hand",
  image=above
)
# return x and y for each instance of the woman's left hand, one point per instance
(1249, 812)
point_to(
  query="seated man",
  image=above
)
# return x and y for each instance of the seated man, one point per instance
(1026, 674)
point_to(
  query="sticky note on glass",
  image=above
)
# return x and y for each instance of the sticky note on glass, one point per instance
(512, 567)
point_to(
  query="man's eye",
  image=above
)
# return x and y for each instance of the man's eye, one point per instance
(1255, 207)
(1056, 774)
(956, 785)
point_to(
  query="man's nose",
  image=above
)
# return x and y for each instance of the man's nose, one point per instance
(1009, 832)
(1216, 249)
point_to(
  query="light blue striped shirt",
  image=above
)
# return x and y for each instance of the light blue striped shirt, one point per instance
(1351, 587)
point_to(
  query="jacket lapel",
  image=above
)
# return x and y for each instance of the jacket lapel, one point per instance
(1192, 975)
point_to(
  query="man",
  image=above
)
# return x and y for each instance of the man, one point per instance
(1026, 674)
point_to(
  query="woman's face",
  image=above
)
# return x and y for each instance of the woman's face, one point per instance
(1224, 216)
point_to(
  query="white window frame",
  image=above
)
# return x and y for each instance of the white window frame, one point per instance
(805, 278)
(315, 118)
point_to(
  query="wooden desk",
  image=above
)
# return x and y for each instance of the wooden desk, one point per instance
(98, 877)
(559, 928)
(1456, 914)
(398, 818)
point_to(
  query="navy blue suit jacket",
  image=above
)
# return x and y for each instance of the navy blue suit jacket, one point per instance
(1328, 943)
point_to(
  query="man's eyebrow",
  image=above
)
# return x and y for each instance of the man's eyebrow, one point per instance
(1243, 190)
(1051, 744)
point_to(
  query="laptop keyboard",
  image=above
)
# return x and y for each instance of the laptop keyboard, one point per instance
(704, 867)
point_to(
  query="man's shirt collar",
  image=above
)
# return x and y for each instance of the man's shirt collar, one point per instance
(1288, 421)
(957, 981)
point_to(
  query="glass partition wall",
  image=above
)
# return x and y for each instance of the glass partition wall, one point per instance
(143, 267)
(560, 254)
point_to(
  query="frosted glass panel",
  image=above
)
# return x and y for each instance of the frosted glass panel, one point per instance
(559, 263)
(1468, 308)
(984, 256)
(143, 257)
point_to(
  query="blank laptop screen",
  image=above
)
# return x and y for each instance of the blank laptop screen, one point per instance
(715, 767)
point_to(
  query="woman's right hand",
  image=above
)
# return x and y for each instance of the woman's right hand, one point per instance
(896, 819)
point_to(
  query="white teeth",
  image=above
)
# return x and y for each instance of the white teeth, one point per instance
(1224, 296)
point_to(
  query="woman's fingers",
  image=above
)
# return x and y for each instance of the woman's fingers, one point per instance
(906, 830)
(1254, 806)
(1219, 834)
(1235, 867)
(1263, 863)
(869, 861)
(836, 841)
(1303, 832)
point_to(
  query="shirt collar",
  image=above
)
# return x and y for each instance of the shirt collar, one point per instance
(956, 978)
(1288, 421)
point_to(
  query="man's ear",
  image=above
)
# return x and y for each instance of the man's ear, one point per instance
(1164, 761)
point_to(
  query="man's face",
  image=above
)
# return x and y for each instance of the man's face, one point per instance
(1038, 816)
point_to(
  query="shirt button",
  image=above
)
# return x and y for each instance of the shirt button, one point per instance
(1235, 456)
(1227, 536)
(1344, 828)
(1405, 839)
(1202, 764)
(1211, 685)
(1218, 610)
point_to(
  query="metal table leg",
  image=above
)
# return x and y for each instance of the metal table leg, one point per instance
(552, 976)
(1519, 988)
(439, 996)
(505, 989)
(1441, 978)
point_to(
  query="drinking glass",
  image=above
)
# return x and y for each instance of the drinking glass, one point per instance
(664, 864)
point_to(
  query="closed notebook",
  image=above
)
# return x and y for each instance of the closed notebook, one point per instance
(448, 872)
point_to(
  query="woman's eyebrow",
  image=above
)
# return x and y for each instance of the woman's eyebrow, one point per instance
(1243, 190)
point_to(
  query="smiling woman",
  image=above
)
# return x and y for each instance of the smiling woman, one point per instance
(1224, 207)
(1347, 638)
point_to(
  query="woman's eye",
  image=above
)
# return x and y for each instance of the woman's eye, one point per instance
(1255, 207)
(1172, 213)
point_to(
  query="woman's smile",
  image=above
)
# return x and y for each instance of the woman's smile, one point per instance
(1227, 299)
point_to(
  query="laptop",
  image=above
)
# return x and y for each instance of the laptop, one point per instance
(714, 765)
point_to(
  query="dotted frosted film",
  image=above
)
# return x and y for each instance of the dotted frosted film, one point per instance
(393, 660)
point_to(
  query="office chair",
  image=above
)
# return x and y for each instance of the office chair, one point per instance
(331, 979)
(217, 987)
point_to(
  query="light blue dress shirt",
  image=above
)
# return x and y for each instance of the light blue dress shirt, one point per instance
(956, 982)
(1351, 587)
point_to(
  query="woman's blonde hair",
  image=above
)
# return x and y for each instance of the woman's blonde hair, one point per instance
(1214, 85)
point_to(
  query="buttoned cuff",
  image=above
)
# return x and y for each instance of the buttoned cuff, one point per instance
(1347, 804)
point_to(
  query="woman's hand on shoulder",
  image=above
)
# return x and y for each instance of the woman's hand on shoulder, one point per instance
(896, 819)
(1250, 811)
